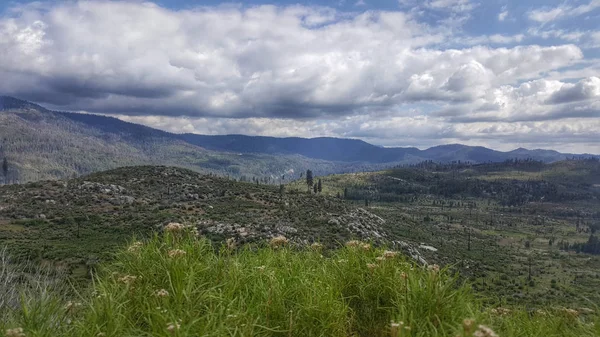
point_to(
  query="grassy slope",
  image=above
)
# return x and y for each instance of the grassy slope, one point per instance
(81, 221)
(504, 241)
(177, 285)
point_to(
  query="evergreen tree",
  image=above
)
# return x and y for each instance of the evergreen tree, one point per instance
(319, 186)
(309, 179)
(5, 169)
(315, 188)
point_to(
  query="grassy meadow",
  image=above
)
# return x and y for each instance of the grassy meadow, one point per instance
(176, 284)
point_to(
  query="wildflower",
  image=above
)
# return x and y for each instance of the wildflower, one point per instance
(541, 312)
(172, 327)
(135, 247)
(316, 246)
(278, 241)
(434, 268)
(365, 246)
(176, 253)
(353, 243)
(174, 227)
(127, 279)
(380, 258)
(403, 276)
(162, 293)
(484, 331)
(371, 266)
(261, 268)
(16, 332)
(468, 326)
(388, 254)
(231, 243)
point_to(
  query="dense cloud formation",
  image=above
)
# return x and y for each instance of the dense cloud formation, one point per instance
(389, 77)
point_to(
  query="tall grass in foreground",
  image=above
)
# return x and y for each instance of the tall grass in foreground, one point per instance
(178, 285)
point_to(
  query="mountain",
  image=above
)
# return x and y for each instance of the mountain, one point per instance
(45, 144)
(336, 149)
(354, 150)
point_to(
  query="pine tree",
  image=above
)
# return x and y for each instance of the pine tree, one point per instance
(315, 188)
(309, 179)
(319, 186)
(5, 169)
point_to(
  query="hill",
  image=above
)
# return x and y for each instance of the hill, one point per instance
(510, 257)
(80, 221)
(521, 231)
(42, 144)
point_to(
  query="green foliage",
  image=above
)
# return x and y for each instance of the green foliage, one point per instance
(178, 285)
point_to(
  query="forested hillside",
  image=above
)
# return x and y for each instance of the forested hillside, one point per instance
(42, 144)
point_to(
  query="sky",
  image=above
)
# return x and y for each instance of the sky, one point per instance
(502, 74)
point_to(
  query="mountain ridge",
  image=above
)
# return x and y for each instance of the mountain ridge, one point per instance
(62, 144)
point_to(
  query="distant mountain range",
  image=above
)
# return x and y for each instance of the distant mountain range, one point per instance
(354, 150)
(43, 144)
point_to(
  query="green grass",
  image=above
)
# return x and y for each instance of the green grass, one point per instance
(178, 285)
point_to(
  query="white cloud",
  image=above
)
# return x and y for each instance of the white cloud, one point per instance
(503, 14)
(572, 36)
(586, 89)
(292, 70)
(550, 14)
(452, 5)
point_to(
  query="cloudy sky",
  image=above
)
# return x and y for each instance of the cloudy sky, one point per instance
(502, 74)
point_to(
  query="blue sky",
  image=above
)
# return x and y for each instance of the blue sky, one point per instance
(502, 74)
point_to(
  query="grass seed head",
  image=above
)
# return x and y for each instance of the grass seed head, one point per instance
(135, 247)
(173, 327)
(162, 293)
(174, 227)
(278, 241)
(468, 325)
(72, 305)
(231, 243)
(16, 332)
(176, 253)
(433, 268)
(388, 254)
(127, 279)
(353, 243)
(484, 331)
